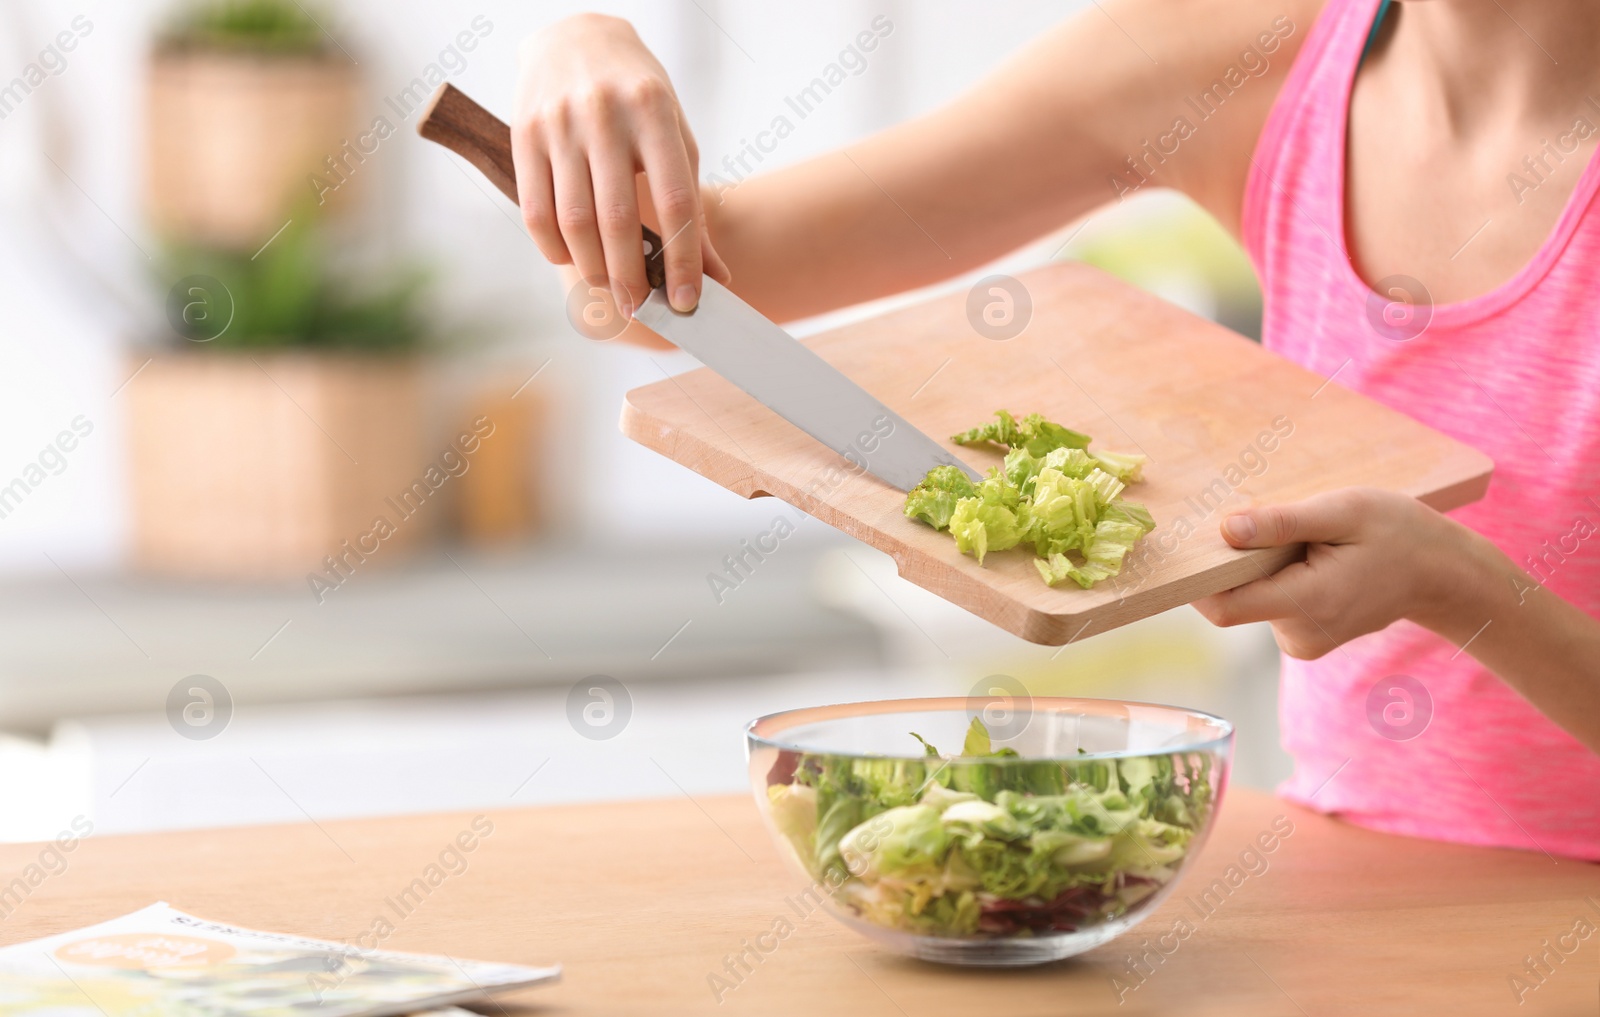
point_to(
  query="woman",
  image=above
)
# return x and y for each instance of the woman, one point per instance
(1439, 150)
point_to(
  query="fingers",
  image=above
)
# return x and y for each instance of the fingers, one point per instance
(1285, 599)
(536, 191)
(715, 267)
(710, 260)
(575, 211)
(676, 195)
(577, 184)
(1323, 519)
(594, 109)
(617, 216)
(1264, 599)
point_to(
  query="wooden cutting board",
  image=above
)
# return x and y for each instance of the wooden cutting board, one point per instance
(1224, 422)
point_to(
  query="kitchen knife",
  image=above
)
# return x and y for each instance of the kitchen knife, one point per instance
(725, 333)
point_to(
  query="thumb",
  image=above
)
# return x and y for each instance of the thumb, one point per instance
(1324, 519)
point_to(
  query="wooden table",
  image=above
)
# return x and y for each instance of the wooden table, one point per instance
(643, 901)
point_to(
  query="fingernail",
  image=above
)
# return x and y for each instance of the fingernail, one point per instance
(625, 308)
(1240, 528)
(683, 298)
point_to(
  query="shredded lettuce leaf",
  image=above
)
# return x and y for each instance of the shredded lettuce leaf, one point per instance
(1003, 431)
(994, 518)
(934, 500)
(988, 843)
(1127, 468)
(1050, 491)
(1035, 434)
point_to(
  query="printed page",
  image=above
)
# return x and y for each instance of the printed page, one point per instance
(160, 962)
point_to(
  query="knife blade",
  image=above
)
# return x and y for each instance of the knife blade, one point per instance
(743, 346)
(726, 334)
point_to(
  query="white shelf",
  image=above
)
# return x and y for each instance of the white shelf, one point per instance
(115, 643)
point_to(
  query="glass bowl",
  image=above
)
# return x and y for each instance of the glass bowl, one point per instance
(957, 831)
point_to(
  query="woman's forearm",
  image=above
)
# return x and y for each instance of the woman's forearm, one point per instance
(1539, 644)
(1087, 113)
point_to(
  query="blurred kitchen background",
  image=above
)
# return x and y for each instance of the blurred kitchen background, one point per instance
(244, 305)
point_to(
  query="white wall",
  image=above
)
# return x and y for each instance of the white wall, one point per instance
(65, 331)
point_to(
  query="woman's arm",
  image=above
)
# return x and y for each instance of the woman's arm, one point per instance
(1375, 557)
(1033, 146)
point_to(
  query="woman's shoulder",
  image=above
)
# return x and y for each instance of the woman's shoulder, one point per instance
(1225, 63)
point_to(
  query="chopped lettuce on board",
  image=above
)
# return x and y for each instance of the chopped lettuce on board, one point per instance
(1051, 492)
(992, 518)
(991, 844)
(1035, 434)
(934, 500)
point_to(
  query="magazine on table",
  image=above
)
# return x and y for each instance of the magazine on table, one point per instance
(160, 962)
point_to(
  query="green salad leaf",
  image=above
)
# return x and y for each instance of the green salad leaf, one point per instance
(934, 500)
(977, 742)
(1034, 433)
(993, 518)
(1050, 492)
(988, 843)
(1003, 431)
(1127, 468)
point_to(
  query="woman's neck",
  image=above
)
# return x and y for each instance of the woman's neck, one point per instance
(1484, 61)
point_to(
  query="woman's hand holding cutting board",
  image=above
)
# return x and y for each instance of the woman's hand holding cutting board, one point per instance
(1375, 557)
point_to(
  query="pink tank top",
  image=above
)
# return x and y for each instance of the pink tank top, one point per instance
(1402, 733)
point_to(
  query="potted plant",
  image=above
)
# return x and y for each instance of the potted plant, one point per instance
(286, 416)
(247, 100)
(280, 431)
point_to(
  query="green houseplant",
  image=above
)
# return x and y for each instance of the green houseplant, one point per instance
(246, 100)
(285, 402)
(259, 26)
(283, 413)
(291, 294)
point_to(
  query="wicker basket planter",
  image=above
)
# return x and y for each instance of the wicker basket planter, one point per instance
(260, 465)
(234, 139)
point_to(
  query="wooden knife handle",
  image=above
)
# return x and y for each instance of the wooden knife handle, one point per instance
(483, 139)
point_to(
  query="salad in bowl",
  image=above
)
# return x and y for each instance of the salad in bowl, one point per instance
(1043, 833)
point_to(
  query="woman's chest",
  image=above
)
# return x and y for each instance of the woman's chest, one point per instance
(1461, 211)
